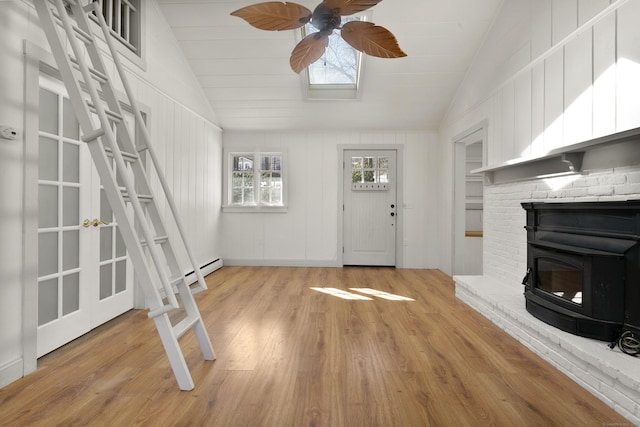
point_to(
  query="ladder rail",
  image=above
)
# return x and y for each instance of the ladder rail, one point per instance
(117, 160)
(105, 125)
(147, 141)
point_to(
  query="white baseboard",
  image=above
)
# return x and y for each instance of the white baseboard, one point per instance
(206, 269)
(10, 372)
(279, 263)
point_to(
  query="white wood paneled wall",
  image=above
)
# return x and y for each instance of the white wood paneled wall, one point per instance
(306, 234)
(184, 134)
(189, 151)
(581, 82)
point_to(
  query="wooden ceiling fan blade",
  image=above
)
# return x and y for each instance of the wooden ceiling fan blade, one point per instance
(349, 7)
(275, 15)
(308, 51)
(371, 39)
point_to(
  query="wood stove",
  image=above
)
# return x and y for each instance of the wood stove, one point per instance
(583, 264)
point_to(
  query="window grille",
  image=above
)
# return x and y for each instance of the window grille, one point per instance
(255, 180)
(123, 18)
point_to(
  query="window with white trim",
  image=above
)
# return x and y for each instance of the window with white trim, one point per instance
(124, 19)
(255, 179)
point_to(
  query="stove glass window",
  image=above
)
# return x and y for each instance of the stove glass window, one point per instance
(560, 279)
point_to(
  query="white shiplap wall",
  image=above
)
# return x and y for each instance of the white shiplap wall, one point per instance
(307, 233)
(186, 138)
(576, 81)
(551, 73)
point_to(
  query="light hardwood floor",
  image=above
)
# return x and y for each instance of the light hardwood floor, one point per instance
(292, 356)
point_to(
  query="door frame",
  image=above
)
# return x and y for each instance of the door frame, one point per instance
(473, 134)
(37, 61)
(399, 149)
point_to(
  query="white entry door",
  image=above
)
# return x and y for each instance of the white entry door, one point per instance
(370, 209)
(84, 276)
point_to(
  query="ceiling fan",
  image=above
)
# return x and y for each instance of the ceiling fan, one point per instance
(363, 36)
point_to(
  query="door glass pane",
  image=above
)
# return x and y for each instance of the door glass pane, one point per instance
(105, 244)
(70, 206)
(71, 162)
(70, 249)
(47, 206)
(70, 123)
(48, 159)
(105, 281)
(121, 249)
(105, 207)
(47, 253)
(48, 111)
(70, 293)
(121, 276)
(47, 301)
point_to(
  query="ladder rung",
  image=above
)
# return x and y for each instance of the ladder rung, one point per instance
(143, 198)
(128, 157)
(197, 289)
(141, 148)
(82, 34)
(88, 137)
(88, 8)
(176, 280)
(115, 117)
(157, 240)
(160, 311)
(99, 76)
(184, 325)
(161, 239)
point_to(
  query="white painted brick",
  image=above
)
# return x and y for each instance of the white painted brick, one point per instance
(628, 189)
(577, 192)
(600, 190)
(613, 179)
(622, 400)
(633, 177)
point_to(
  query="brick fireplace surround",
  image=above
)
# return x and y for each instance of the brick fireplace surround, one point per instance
(610, 375)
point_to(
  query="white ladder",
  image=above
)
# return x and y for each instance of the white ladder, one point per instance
(125, 183)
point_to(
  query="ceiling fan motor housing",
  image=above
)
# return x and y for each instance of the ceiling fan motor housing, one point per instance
(326, 20)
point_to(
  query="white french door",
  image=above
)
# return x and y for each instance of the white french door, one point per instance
(369, 234)
(84, 276)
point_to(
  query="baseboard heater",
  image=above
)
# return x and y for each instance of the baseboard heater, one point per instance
(207, 268)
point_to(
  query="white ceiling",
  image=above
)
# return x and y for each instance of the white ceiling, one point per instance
(246, 76)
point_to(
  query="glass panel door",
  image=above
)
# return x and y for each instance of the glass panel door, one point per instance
(84, 278)
(62, 315)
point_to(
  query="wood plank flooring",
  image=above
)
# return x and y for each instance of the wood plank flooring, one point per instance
(292, 356)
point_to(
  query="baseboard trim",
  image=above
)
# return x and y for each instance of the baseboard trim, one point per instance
(279, 263)
(207, 268)
(12, 371)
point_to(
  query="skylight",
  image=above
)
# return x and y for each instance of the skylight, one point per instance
(336, 74)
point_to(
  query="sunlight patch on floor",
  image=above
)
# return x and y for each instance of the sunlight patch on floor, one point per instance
(340, 293)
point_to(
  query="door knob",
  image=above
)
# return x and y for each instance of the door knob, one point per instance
(96, 222)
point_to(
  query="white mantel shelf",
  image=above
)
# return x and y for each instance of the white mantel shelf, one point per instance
(610, 151)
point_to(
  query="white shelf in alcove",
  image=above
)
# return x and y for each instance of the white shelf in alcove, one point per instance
(615, 150)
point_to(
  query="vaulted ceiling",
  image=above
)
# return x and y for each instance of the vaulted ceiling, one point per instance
(246, 76)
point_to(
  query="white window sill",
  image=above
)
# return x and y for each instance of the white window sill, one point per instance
(254, 209)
